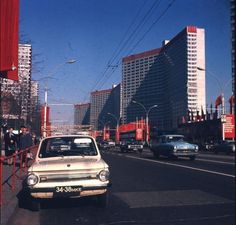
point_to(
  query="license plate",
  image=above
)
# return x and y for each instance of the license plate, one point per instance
(67, 191)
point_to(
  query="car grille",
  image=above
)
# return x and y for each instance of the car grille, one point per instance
(66, 177)
(184, 150)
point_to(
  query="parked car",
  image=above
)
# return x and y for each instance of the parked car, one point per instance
(69, 167)
(226, 146)
(173, 146)
(131, 145)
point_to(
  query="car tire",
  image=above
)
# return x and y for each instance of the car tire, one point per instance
(192, 158)
(34, 205)
(23, 200)
(102, 200)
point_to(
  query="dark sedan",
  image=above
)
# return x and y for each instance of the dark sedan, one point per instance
(226, 146)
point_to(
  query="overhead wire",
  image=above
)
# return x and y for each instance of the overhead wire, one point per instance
(125, 42)
(143, 36)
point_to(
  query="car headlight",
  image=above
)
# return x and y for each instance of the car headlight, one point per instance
(103, 175)
(175, 148)
(196, 148)
(32, 179)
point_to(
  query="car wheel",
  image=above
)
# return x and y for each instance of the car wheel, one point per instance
(103, 200)
(192, 158)
(23, 200)
(34, 205)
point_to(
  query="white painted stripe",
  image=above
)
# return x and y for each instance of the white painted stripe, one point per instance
(182, 166)
(214, 161)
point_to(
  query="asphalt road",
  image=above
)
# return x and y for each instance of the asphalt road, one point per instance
(147, 191)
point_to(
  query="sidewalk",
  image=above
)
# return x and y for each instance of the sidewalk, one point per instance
(10, 200)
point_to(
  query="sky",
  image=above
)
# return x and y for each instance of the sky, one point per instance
(95, 33)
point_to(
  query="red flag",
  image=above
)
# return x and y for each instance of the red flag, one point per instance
(231, 102)
(218, 101)
(9, 35)
(202, 114)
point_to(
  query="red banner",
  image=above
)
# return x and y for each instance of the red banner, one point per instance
(9, 38)
(229, 126)
(139, 134)
(48, 124)
(218, 101)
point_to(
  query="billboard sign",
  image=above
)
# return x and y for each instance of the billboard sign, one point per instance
(9, 106)
(229, 126)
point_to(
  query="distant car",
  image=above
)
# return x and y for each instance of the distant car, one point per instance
(131, 145)
(209, 146)
(173, 146)
(66, 167)
(107, 145)
(226, 146)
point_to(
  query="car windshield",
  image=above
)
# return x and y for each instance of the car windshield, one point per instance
(67, 146)
(174, 138)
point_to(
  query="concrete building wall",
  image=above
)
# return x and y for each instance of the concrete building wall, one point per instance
(82, 114)
(21, 91)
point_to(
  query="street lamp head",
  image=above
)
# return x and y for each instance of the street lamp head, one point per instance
(71, 61)
(134, 101)
(199, 68)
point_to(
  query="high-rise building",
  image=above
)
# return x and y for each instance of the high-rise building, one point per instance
(20, 92)
(168, 77)
(35, 108)
(102, 103)
(135, 71)
(82, 114)
(34, 96)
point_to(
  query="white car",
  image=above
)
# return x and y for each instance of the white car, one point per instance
(67, 166)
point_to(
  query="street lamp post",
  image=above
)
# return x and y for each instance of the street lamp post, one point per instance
(46, 95)
(147, 111)
(117, 126)
(220, 86)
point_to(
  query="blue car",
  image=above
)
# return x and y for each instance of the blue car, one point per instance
(173, 146)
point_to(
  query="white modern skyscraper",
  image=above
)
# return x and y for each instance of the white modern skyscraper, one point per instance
(167, 77)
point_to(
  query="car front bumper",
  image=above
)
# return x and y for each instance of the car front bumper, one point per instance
(184, 153)
(67, 191)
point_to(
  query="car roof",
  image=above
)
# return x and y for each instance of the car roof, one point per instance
(172, 135)
(72, 135)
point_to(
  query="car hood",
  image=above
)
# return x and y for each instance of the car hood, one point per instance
(66, 164)
(182, 144)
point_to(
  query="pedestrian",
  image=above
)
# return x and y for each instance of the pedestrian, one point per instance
(34, 139)
(10, 140)
(25, 141)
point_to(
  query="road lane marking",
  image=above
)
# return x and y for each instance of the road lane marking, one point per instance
(214, 161)
(199, 158)
(182, 166)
